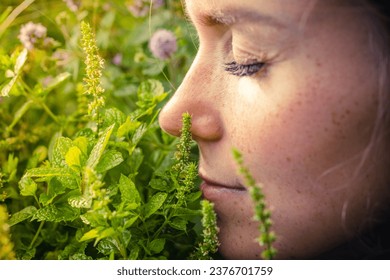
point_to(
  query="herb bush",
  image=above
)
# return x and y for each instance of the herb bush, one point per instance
(86, 172)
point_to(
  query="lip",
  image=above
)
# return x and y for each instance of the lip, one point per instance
(214, 190)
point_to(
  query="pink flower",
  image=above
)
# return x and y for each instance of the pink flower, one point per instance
(117, 59)
(31, 34)
(140, 8)
(163, 44)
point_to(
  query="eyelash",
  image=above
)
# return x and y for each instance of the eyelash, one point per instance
(243, 70)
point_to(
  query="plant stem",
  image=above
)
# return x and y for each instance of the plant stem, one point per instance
(36, 235)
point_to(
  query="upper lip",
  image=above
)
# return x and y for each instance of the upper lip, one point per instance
(218, 184)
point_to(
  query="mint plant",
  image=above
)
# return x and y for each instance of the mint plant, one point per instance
(86, 172)
(262, 213)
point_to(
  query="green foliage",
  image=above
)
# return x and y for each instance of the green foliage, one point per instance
(6, 246)
(262, 214)
(86, 172)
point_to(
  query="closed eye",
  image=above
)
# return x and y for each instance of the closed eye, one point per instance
(242, 70)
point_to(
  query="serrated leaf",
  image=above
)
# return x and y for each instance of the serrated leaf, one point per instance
(186, 212)
(92, 234)
(60, 148)
(129, 192)
(161, 185)
(72, 157)
(53, 213)
(193, 196)
(135, 160)
(99, 148)
(129, 126)
(80, 201)
(98, 233)
(22, 215)
(157, 245)
(27, 186)
(113, 116)
(106, 247)
(57, 81)
(17, 69)
(179, 223)
(148, 90)
(44, 172)
(134, 253)
(82, 143)
(109, 160)
(155, 202)
(95, 219)
(130, 222)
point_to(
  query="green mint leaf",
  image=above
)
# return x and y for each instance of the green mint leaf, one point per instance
(47, 172)
(22, 215)
(156, 245)
(161, 185)
(92, 234)
(16, 72)
(57, 81)
(60, 148)
(155, 202)
(129, 192)
(179, 223)
(99, 148)
(109, 160)
(27, 186)
(129, 126)
(53, 213)
(80, 201)
(149, 92)
(73, 157)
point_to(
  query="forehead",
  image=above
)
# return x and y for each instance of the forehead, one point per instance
(284, 10)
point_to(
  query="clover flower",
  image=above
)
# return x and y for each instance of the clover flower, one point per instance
(140, 8)
(163, 44)
(32, 34)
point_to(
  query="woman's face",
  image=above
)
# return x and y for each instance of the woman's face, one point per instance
(293, 86)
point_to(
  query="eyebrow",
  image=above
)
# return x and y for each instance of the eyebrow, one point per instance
(231, 15)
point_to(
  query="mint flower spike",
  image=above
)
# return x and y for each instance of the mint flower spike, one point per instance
(94, 66)
(182, 155)
(186, 170)
(210, 243)
(262, 214)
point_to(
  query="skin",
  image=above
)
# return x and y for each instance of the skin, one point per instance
(303, 122)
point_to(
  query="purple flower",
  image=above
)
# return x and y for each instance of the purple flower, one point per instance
(140, 8)
(31, 34)
(163, 44)
(117, 59)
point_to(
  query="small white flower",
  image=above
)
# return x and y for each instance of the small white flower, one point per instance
(163, 44)
(32, 33)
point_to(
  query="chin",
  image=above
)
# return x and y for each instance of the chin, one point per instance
(239, 244)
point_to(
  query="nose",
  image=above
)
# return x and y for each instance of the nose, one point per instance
(196, 96)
